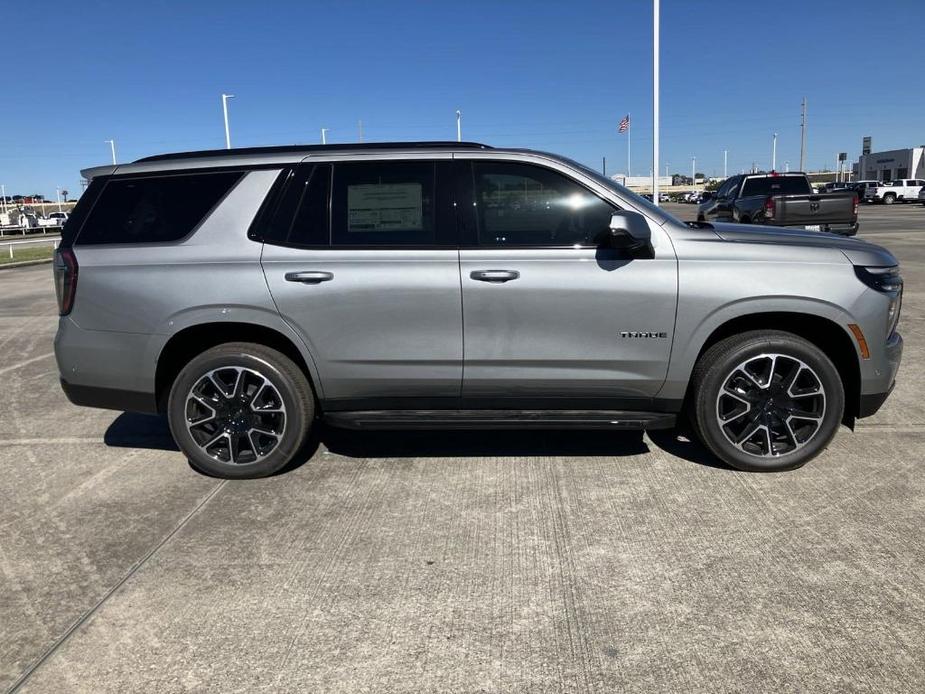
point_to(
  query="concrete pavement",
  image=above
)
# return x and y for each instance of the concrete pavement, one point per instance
(454, 562)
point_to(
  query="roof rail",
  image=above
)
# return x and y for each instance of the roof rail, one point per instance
(282, 149)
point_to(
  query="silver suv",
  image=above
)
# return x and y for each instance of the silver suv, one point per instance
(250, 293)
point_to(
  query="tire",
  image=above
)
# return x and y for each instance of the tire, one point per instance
(240, 410)
(889, 199)
(745, 220)
(745, 380)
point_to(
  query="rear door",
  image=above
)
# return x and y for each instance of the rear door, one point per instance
(552, 321)
(362, 261)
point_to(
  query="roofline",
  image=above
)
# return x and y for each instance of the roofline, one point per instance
(308, 149)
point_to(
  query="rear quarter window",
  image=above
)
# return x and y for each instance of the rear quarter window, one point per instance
(776, 185)
(153, 209)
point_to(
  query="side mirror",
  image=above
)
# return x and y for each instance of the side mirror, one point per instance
(628, 231)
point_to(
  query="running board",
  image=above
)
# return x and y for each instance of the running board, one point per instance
(500, 419)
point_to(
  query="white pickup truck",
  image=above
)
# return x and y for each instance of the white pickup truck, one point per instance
(902, 190)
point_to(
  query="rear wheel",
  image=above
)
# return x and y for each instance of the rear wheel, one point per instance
(766, 400)
(240, 410)
(889, 199)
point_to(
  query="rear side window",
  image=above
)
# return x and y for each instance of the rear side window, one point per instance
(776, 185)
(384, 203)
(154, 209)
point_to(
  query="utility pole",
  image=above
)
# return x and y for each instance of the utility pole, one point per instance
(458, 125)
(225, 98)
(360, 126)
(725, 152)
(803, 134)
(774, 153)
(655, 38)
(112, 146)
(324, 136)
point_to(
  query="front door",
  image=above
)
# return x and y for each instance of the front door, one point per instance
(550, 320)
(373, 287)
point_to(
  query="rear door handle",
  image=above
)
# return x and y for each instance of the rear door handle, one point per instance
(494, 275)
(309, 277)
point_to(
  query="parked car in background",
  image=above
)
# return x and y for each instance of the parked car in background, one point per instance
(922, 195)
(784, 200)
(862, 186)
(250, 293)
(58, 218)
(901, 190)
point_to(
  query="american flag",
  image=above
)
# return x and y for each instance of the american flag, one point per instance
(624, 124)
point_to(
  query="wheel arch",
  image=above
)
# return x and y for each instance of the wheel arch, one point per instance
(826, 334)
(195, 339)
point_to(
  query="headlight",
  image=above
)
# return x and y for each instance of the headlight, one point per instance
(888, 281)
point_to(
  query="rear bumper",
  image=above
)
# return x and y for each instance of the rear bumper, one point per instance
(109, 398)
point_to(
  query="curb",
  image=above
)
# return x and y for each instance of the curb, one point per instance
(24, 263)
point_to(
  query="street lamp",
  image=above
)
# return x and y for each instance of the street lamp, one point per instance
(774, 153)
(655, 104)
(693, 171)
(725, 152)
(458, 125)
(225, 98)
(112, 146)
(324, 136)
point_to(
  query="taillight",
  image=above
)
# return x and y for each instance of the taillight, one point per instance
(769, 208)
(65, 279)
(855, 204)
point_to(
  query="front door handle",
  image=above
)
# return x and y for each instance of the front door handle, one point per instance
(494, 275)
(309, 277)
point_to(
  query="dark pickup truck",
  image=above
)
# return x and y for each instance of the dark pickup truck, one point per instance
(781, 200)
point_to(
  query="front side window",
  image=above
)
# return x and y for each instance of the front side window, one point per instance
(384, 203)
(527, 205)
(154, 209)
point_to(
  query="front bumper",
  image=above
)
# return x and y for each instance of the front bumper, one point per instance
(876, 391)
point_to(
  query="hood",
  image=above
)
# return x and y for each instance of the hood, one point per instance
(857, 251)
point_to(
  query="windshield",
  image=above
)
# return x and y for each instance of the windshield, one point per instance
(638, 201)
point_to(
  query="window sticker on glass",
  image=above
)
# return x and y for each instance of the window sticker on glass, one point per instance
(385, 207)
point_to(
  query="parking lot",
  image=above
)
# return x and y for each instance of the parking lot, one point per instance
(456, 561)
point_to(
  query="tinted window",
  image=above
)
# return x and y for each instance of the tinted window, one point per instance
(153, 209)
(383, 204)
(525, 205)
(776, 185)
(299, 214)
(727, 190)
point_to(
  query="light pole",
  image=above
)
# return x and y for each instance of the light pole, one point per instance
(112, 146)
(725, 152)
(3, 193)
(666, 169)
(655, 36)
(802, 133)
(360, 126)
(693, 171)
(774, 153)
(225, 98)
(324, 136)
(458, 125)
(58, 197)
(786, 167)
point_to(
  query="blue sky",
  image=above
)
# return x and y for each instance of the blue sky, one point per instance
(548, 75)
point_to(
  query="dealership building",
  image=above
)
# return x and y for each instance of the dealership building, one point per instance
(892, 165)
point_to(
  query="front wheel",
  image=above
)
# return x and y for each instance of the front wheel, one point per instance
(889, 199)
(240, 410)
(766, 401)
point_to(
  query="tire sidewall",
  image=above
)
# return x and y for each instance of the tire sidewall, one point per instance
(719, 371)
(295, 425)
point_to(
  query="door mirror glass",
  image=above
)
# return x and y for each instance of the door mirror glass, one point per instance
(627, 231)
